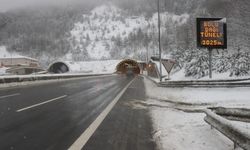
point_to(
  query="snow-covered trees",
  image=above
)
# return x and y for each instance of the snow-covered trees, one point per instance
(198, 66)
(239, 63)
(195, 62)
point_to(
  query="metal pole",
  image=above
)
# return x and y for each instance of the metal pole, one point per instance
(210, 62)
(159, 38)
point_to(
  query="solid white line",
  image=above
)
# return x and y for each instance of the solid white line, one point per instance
(12, 95)
(84, 137)
(32, 106)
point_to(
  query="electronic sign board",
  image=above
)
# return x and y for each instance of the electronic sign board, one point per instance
(211, 33)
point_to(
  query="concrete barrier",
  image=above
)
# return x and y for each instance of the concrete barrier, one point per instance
(26, 78)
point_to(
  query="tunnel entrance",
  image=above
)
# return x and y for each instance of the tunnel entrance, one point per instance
(58, 67)
(128, 66)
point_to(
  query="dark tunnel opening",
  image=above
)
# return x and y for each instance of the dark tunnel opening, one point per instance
(58, 67)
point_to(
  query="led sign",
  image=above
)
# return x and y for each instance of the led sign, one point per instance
(211, 33)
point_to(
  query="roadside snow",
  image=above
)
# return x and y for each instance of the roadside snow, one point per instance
(180, 76)
(176, 130)
(216, 96)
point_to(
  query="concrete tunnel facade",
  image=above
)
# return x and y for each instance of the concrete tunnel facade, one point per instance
(123, 66)
(118, 66)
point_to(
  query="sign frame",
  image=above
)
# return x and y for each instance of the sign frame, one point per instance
(198, 28)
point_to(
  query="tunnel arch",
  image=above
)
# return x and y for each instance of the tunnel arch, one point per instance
(58, 67)
(122, 67)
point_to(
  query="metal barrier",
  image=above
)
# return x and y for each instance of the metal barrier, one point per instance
(238, 136)
(207, 83)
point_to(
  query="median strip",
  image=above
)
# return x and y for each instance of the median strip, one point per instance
(48, 101)
(85, 136)
(11, 95)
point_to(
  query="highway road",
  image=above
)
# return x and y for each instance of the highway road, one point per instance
(61, 115)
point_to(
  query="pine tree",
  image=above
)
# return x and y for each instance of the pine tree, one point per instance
(240, 63)
(222, 62)
(199, 65)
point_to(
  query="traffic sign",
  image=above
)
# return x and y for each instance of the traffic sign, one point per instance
(168, 64)
(211, 33)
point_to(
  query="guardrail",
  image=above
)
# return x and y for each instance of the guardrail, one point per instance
(203, 83)
(238, 136)
(24, 78)
(236, 114)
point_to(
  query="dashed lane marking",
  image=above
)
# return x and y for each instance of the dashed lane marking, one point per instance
(39, 104)
(11, 95)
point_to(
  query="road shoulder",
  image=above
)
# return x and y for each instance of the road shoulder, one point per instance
(126, 127)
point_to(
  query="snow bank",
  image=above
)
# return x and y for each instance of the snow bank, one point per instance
(175, 130)
(218, 96)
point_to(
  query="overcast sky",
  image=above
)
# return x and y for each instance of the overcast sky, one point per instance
(11, 4)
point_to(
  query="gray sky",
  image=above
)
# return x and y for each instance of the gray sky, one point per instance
(11, 4)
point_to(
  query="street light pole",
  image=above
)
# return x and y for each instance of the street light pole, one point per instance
(159, 37)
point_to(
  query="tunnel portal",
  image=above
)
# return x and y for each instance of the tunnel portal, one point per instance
(128, 65)
(58, 67)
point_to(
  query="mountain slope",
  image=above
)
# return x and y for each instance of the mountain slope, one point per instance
(110, 32)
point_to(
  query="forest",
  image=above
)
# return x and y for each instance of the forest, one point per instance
(46, 31)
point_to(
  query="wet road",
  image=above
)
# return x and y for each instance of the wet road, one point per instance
(52, 116)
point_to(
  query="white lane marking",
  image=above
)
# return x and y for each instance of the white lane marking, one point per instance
(84, 137)
(11, 95)
(48, 101)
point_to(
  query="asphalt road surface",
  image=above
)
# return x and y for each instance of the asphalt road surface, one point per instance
(52, 116)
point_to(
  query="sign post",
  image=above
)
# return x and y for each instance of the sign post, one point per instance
(210, 62)
(211, 34)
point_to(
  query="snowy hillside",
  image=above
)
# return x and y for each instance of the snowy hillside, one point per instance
(5, 54)
(93, 67)
(107, 31)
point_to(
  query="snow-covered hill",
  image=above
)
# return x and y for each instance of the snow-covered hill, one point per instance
(6, 54)
(107, 30)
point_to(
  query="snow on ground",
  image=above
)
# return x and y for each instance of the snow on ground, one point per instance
(176, 130)
(93, 67)
(180, 76)
(216, 96)
(179, 130)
